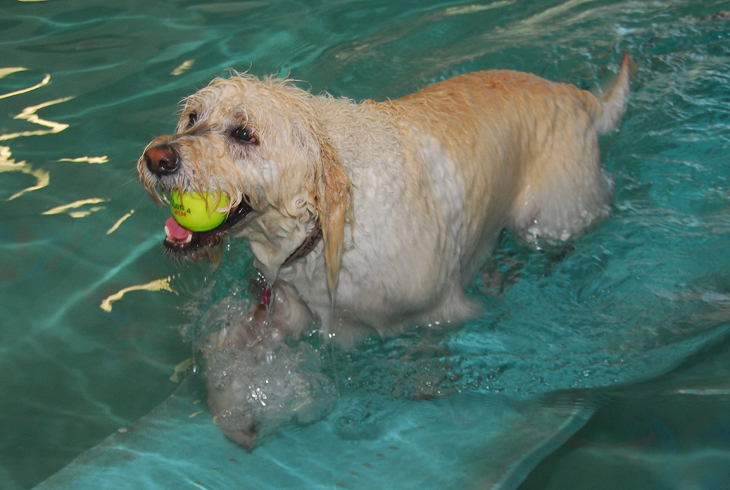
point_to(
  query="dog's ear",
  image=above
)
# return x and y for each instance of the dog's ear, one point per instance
(333, 187)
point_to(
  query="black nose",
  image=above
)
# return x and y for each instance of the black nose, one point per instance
(161, 160)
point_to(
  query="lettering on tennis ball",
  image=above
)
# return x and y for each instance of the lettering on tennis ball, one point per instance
(191, 211)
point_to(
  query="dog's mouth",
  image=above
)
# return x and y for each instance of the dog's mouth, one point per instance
(182, 242)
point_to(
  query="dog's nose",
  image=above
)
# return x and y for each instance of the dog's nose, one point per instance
(161, 160)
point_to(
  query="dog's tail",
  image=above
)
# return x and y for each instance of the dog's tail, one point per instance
(615, 99)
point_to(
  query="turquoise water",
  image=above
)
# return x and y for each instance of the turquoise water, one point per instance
(603, 364)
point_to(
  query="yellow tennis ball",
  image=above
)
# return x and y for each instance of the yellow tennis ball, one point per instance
(198, 213)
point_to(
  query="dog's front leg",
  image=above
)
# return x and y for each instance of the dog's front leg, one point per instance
(287, 314)
(277, 314)
(256, 381)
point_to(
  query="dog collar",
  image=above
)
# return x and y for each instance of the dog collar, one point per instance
(315, 236)
(258, 287)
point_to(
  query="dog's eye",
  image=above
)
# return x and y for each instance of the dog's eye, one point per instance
(192, 119)
(244, 135)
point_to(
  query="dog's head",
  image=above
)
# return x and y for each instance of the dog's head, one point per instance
(261, 143)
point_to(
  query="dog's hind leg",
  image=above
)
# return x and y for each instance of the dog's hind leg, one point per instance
(565, 191)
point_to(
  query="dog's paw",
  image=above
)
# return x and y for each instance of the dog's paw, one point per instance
(256, 389)
(244, 437)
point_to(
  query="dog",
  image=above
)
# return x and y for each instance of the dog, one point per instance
(367, 218)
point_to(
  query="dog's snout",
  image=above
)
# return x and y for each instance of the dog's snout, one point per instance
(161, 160)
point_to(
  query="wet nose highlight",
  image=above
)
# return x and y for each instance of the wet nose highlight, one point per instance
(161, 160)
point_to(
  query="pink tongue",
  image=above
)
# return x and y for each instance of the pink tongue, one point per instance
(176, 231)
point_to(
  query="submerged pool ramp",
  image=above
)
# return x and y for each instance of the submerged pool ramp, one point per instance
(462, 441)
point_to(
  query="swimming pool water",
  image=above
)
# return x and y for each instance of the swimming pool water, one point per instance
(624, 331)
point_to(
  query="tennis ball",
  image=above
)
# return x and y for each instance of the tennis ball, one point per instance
(198, 212)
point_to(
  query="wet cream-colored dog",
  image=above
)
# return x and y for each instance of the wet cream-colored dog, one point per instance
(370, 217)
(407, 195)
